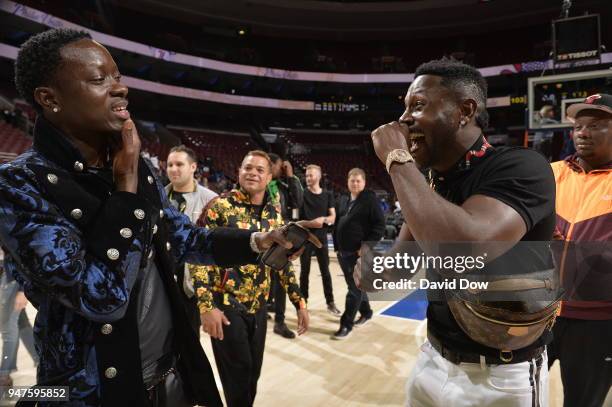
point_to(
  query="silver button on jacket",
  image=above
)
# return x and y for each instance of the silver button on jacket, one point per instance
(106, 329)
(112, 254)
(52, 178)
(110, 373)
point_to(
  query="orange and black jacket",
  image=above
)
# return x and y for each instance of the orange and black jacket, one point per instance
(584, 222)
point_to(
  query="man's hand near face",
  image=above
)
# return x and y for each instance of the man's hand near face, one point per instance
(389, 137)
(125, 159)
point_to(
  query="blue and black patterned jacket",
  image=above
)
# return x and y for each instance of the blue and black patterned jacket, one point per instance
(77, 245)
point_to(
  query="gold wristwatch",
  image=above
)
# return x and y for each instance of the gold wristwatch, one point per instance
(398, 156)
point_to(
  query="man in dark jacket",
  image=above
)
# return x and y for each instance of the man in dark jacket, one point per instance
(286, 188)
(360, 219)
(90, 235)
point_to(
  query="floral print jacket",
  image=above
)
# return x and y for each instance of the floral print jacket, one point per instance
(243, 288)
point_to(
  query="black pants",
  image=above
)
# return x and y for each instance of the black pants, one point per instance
(191, 304)
(239, 356)
(584, 350)
(356, 300)
(280, 298)
(323, 260)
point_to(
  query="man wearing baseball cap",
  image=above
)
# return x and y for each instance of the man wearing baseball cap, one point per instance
(583, 331)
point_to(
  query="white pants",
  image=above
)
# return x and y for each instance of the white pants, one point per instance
(436, 382)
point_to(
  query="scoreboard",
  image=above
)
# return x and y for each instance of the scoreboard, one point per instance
(560, 91)
(576, 38)
(340, 107)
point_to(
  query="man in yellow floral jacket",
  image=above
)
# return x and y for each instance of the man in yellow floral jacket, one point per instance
(232, 301)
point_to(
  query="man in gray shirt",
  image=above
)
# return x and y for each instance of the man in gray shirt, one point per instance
(190, 198)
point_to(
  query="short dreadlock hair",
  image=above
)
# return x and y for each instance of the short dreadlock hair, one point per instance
(39, 58)
(461, 78)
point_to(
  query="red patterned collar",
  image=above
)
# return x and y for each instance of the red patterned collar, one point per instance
(472, 157)
(475, 153)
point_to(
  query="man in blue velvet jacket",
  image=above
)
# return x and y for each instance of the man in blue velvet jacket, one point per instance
(91, 236)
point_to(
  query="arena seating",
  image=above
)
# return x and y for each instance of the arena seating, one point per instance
(225, 150)
(12, 142)
(324, 150)
(155, 148)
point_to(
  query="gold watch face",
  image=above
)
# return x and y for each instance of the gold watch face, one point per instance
(402, 155)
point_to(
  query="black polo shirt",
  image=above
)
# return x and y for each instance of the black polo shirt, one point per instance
(523, 180)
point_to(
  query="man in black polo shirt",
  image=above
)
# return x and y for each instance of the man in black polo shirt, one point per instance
(318, 206)
(479, 194)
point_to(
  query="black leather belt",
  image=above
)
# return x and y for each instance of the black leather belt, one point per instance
(505, 357)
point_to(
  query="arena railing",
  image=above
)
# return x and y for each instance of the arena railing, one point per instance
(49, 20)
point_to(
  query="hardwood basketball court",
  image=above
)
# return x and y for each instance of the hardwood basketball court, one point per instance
(369, 368)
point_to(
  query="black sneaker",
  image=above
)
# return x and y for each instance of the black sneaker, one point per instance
(331, 308)
(282, 330)
(342, 333)
(361, 321)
